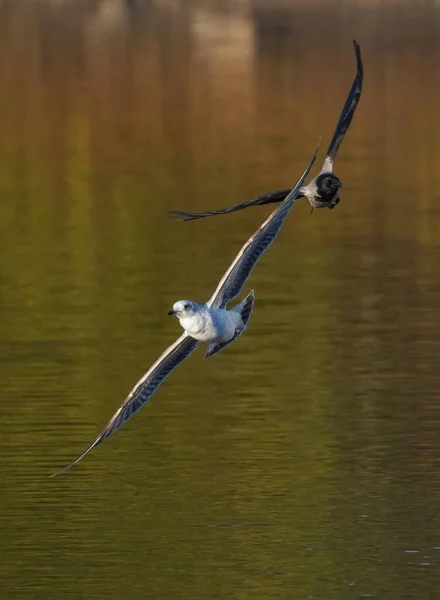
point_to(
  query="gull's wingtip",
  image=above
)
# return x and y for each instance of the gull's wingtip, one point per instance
(357, 51)
(315, 154)
(71, 464)
(61, 471)
(67, 467)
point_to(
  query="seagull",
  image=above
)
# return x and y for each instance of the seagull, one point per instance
(323, 190)
(211, 322)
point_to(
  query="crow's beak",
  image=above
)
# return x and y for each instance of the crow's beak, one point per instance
(171, 312)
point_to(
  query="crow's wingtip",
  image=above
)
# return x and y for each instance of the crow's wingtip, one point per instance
(181, 216)
(174, 214)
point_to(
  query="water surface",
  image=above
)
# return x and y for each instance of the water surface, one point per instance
(303, 462)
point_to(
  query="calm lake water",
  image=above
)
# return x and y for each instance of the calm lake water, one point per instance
(304, 461)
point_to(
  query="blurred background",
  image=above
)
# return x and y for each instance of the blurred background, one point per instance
(304, 461)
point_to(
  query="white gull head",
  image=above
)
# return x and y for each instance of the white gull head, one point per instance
(184, 309)
(197, 320)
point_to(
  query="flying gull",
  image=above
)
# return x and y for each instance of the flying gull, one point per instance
(210, 322)
(323, 190)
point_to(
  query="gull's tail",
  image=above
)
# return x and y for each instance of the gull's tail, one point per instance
(244, 309)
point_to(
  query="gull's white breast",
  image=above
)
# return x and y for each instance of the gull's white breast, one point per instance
(212, 325)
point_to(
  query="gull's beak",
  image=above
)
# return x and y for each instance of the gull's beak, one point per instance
(171, 312)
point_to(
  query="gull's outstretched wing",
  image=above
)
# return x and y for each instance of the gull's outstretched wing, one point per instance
(144, 389)
(272, 197)
(240, 269)
(347, 112)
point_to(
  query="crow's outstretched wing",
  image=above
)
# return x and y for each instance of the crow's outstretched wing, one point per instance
(347, 112)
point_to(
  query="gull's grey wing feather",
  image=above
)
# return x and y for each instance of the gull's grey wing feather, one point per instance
(271, 197)
(233, 280)
(144, 389)
(247, 306)
(347, 112)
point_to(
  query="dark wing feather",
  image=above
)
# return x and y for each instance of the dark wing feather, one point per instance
(233, 280)
(143, 390)
(270, 198)
(347, 112)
